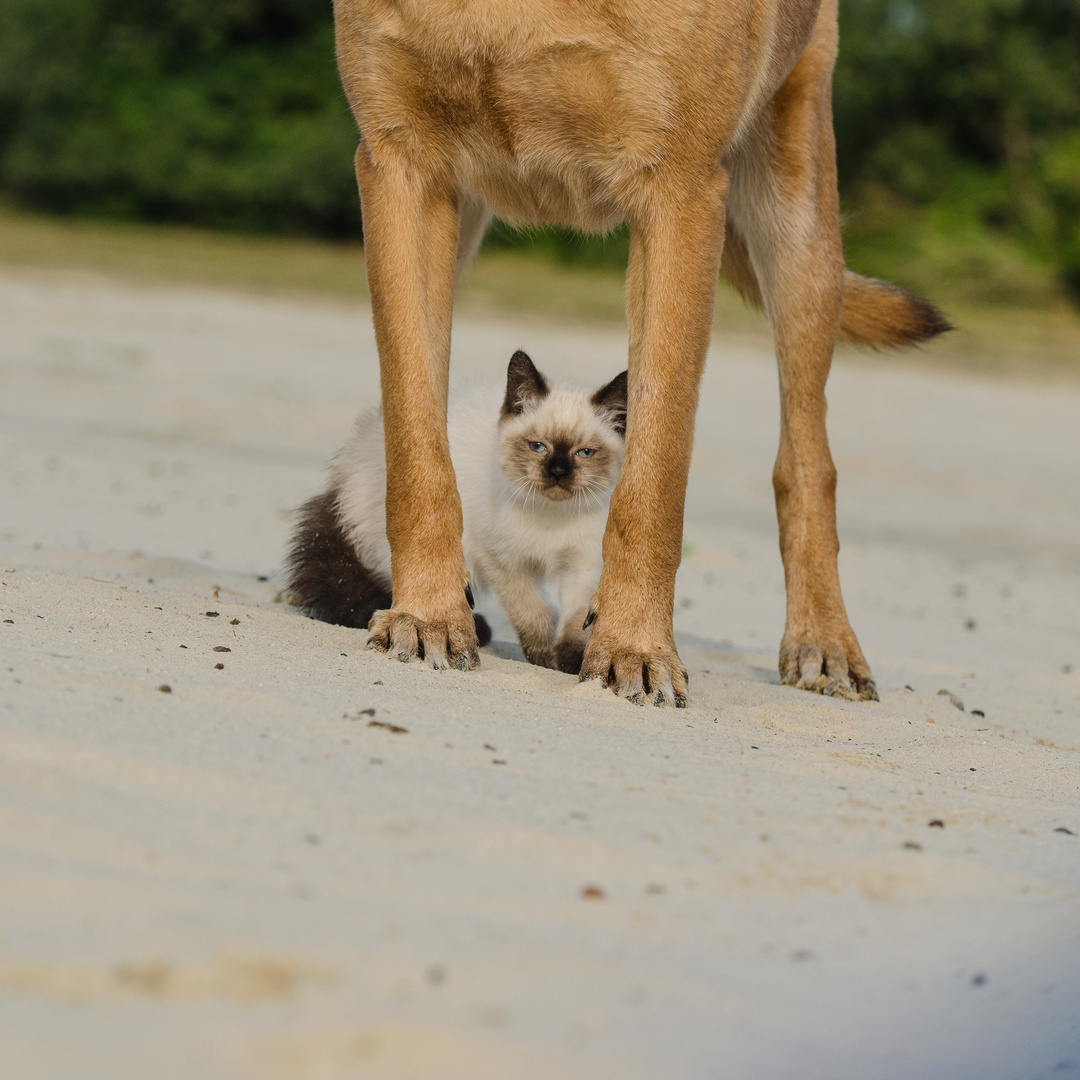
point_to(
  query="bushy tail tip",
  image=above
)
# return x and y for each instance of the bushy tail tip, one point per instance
(883, 316)
(876, 313)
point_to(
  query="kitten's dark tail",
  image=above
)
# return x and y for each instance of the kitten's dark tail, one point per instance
(326, 576)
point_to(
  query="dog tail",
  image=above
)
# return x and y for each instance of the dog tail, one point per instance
(876, 313)
(884, 316)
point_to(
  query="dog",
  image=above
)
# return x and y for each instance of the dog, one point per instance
(706, 125)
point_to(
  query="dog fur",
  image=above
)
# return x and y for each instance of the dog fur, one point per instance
(707, 126)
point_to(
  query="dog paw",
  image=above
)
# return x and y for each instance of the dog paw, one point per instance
(653, 676)
(441, 643)
(833, 670)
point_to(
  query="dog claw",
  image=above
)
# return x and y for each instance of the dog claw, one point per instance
(441, 644)
(838, 688)
(833, 671)
(639, 677)
(435, 655)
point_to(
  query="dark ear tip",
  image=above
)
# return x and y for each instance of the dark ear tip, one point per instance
(521, 366)
(615, 392)
(612, 397)
(523, 382)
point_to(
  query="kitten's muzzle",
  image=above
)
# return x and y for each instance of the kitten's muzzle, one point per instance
(558, 466)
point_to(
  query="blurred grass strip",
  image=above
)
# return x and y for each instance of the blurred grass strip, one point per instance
(1042, 340)
(174, 254)
(500, 281)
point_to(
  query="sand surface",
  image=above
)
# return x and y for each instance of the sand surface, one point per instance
(241, 877)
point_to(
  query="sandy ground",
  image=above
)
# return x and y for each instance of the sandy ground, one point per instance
(212, 871)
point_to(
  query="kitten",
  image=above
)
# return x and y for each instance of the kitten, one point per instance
(535, 467)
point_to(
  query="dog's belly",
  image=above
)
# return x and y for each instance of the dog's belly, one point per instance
(553, 111)
(545, 129)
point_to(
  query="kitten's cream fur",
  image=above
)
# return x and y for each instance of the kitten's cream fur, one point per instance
(535, 467)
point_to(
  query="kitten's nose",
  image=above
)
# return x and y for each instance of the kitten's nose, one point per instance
(558, 466)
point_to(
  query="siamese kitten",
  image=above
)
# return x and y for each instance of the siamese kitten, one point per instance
(535, 467)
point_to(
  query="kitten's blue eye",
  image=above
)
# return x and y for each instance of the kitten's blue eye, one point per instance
(539, 447)
(586, 452)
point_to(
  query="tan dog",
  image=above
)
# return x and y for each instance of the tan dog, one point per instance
(705, 124)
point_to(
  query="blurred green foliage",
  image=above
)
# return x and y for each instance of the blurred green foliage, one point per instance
(219, 112)
(958, 141)
(958, 126)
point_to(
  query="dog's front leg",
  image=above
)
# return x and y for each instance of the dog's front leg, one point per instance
(675, 249)
(411, 247)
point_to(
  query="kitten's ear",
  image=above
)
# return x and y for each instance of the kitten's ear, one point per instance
(612, 399)
(524, 384)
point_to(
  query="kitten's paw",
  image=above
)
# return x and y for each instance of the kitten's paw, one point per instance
(653, 676)
(537, 654)
(440, 642)
(569, 653)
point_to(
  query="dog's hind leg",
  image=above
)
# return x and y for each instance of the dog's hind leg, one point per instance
(411, 242)
(784, 204)
(675, 244)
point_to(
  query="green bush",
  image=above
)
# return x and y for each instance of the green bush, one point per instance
(219, 112)
(958, 123)
(958, 128)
